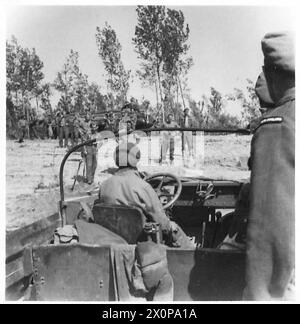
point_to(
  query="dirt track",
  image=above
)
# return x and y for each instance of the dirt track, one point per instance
(32, 171)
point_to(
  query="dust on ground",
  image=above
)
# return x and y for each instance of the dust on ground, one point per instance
(32, 169)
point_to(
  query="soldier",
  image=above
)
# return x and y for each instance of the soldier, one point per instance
(49, 127)
(61, 134)
(58, 127)
(270, 237)
(127, 188)
(76, 125)
(115, 121)
(236, 238)
(187, 122)
(22, 125)
(54, 127)
(68, 127)
(90, 153)
(33, 125)
(168, 140)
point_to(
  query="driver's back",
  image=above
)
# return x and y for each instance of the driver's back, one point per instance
(127, 188)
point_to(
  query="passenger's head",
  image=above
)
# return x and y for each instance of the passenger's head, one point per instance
(279, 63)
(127, 155)
(262, 92)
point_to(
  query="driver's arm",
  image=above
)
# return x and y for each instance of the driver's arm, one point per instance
(153, 207)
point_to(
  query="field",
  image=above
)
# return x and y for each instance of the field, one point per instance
(32, 168)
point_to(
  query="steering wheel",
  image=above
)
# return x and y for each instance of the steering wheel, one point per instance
(159, 191)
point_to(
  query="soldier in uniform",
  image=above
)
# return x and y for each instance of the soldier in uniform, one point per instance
(33, 125)
(270, 236)
(127, 188)
(49, 127)
(168, 140)
(187, 122)
(90, 153)
(71, 129)
(61, 134)
(58, 127)
(236, 238)
(68, 126)
(76, 128)
(22, 125)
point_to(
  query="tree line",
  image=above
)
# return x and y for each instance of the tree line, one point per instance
(161, 44)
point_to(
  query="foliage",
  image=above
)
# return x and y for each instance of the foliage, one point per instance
(24, 77)
(96, 101)
(109, 50)
(23, 71)
(160, 41)
(210, 112)
(249, 102)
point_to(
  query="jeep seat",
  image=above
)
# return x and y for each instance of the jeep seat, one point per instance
(127, 222)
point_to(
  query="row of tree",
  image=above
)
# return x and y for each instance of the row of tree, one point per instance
(161, 43)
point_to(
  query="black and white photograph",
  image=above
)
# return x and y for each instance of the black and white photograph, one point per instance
(150, 154)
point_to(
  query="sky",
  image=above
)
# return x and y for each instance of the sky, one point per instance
(225, 42)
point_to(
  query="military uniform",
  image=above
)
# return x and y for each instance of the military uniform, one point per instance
(91, 151)
(76, 131)
(49, 127)
(236, 238)
(61, 128)
(271, 229)
(168, 142)
(68, 125)
(187, 122)
(271, 237)
(33, 127)
(127, 188)
(22, 125)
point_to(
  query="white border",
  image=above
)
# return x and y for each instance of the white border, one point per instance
(5, 4)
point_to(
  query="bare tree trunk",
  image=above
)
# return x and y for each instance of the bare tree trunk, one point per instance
(16, 98)
(37, 103)
(26, 113)
(160, 92)
(177, 94)
(156, 92)
(181, 93)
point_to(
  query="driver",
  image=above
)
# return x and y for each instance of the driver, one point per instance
(127, 188)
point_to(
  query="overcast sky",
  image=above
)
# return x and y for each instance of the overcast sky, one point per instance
(224, 41)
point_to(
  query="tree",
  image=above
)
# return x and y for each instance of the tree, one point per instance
(176, 64)
(95, 99)
(198, 112)
(249, 102)
(23, 70)
(210, 112)
(148, 42)
(109, 50)
(45, 98)
(72, 84)
(23, 76)
(161, 43)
